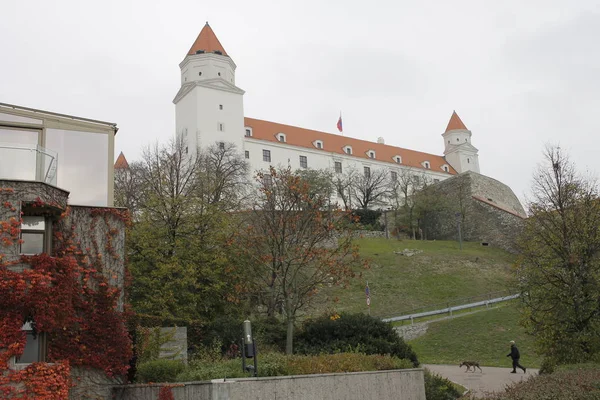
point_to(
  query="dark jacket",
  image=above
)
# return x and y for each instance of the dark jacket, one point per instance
(514, 352)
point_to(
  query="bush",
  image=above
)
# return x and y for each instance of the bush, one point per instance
(343, 362)
(204, 370)
(574, 383)
(368, 219)
(438, 388)
(159, 370)
(352, 332)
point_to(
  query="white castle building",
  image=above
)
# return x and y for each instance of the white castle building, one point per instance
(210, 109)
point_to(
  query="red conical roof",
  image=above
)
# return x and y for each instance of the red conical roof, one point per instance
(121, 162)
(207, 41)
(455, 123)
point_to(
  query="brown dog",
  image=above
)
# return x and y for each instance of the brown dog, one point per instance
(469, 364)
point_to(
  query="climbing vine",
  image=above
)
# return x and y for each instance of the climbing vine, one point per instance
(70, 297)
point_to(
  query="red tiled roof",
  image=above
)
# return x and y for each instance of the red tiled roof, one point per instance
(207, 41)
(488, 202)
(266, 130)
(121, 162)
(455, 123)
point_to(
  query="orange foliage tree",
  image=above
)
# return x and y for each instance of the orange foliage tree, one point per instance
(293, 243)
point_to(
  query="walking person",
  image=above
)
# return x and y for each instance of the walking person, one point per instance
(515, 355)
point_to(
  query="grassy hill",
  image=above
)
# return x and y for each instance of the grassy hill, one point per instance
(439, 274)
(483, 336)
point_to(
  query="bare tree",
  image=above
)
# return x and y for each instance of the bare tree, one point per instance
(129, 187)
(403, 194)
(343, 183)
(223, 176)
(371, 188)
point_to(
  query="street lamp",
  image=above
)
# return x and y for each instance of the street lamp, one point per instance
(249, 349)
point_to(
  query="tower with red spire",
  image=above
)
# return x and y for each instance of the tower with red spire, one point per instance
(458, 150)
(209, 106)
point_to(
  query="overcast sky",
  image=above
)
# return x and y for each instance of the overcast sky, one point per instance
(519, 73)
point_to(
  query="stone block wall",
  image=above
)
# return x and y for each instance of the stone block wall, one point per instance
(489, 211)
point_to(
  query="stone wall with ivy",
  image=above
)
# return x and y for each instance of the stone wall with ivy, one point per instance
(74, 296)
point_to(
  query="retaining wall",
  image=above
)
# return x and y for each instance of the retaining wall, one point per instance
(381, 385)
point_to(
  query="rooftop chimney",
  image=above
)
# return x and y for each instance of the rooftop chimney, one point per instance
(380, 140)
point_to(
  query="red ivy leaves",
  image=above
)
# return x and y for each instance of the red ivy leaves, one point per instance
(73, 304)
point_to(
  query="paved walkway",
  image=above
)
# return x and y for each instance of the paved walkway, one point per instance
(492, 379)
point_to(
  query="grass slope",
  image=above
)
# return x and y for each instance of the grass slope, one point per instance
(482, 336)
(439, 274)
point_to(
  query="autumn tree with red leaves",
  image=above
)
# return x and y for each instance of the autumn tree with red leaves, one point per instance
(293, 243)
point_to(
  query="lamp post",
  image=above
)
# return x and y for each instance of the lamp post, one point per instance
(249, 349)
(458, 219)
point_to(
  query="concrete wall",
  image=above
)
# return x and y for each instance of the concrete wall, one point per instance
(380, 385)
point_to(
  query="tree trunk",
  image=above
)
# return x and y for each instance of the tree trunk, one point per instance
(289, 339)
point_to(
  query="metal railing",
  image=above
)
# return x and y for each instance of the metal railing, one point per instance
(452, 306)
(28, 162)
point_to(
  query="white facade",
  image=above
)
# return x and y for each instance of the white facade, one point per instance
(459, 152)
(209, 109)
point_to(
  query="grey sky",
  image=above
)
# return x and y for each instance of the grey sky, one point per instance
(519, 73)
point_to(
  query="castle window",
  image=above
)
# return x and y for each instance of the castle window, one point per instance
(394, 176)
(267, 155)
(267, 180)
(248, 132)
(371, 154)
(281, 137)
(318, 144)
(468, 161)
(398, 159)
(348, 150)
(247, 154)
(221, 127)
(218, 73)
(220, 106)
(199, 73)
(367, 171)
(427, 165)
(338, 167)
(457, 139)
(222, 145)
(303, 162)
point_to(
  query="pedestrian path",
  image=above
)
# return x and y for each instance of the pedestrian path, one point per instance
(490, 379)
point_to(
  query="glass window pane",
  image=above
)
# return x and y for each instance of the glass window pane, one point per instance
(32, 350)
(31, 223)
(83, 165)
(18, 153)
(33, 243)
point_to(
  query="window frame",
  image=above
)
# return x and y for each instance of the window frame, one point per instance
(335, 167)
(246, 154)
(303, 161)
(266, 155)
(367, 171)
(248, 132)
(45, 232)
(42, 346)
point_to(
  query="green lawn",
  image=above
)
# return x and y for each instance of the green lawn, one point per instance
(440, 274)
(483, 336)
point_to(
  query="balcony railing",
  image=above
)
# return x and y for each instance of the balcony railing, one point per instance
(28, 162)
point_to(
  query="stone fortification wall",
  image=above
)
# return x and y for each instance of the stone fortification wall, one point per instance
(489, 211)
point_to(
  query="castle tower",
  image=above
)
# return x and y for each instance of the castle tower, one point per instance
(458, 150)
(209, 107)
